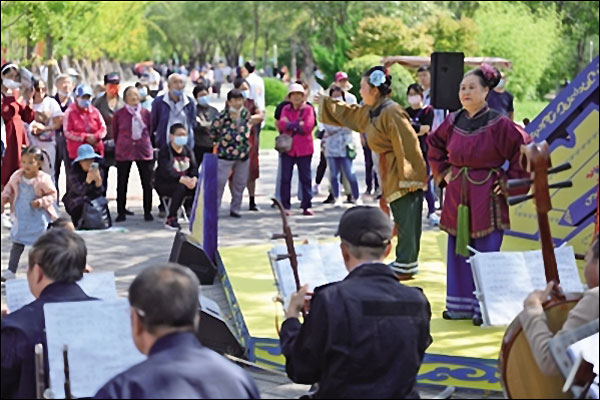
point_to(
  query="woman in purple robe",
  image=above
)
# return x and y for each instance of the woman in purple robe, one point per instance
(466, 154)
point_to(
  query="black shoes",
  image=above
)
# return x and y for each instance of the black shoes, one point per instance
(234, 215)
(148, 217)
(121, 218)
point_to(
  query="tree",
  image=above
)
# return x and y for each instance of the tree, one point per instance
(452, 34)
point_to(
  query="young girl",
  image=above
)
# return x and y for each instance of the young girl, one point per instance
(32, 195)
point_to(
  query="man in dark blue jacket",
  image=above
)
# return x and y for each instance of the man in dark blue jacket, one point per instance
(364, 337)
(171, 108)
(56, 261)
(164, 314)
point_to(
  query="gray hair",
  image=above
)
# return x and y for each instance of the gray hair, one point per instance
(61, 254)
(173, 76)
(364, 252)
(165, 296)
(62, 77)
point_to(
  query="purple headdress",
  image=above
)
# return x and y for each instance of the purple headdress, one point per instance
(488, 71)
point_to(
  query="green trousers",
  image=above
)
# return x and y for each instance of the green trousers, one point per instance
(407, 212)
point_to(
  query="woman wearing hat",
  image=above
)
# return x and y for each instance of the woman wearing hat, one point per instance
(85, 182)
(297, 120)
(402, 166)
(83, 123)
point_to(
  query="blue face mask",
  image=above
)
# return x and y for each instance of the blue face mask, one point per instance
(143, 92)
(500, 84)
(180, 140)
(178, 93)
(245, 93)
(203, 100)
(84, 103)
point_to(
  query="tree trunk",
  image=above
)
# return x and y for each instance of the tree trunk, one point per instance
(293, 68)
(49, 57)
(266, 50)
(256, 26)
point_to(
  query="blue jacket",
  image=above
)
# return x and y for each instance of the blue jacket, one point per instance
(160, 121)
(21, 331)
(179, 367)
(365, 337)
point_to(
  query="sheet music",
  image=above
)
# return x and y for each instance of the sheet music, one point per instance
(100, 285)
(504, 279)
(588, 348)
(318, 264)
(100, 346)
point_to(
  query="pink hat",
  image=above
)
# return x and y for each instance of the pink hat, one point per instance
(340, 75)
(296, 88)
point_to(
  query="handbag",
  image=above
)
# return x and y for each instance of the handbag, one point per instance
(283, 143)
(95, 215)
(350, 151)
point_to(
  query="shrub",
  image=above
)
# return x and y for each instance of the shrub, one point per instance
(275, 91)
(401, 77)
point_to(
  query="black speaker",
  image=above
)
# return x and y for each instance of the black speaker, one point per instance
(214, 332)
(446, 75)
(193, 256)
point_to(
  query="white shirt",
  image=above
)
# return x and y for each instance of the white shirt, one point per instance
(257, 90)
(438, 114)
(154, 79)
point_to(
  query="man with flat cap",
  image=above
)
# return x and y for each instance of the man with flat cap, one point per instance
(365, 336)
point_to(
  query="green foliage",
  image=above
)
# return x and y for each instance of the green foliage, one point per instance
(330, 60)
(391, 37)
(401, 78)
(452, 35)
(530, 47)
(275, 91)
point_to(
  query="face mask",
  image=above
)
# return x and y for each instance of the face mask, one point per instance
(501, 84)
(177, 93)
(414, 100)
(143, 92)
(10, 84)
(83, 103)
(337, 98)
(245, 93)
(203, 100)
(180, 140)
(63, 94)
(235, 110)
(112, 89)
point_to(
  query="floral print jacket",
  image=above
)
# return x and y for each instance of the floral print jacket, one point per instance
(231, 137)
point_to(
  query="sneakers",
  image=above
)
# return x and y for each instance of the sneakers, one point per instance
(456, 315)
(148, 217)
(8, 275)
(233, 214)
(308, 212)
(434, 220)
(338, 202)
(172, 224)
(329, 200)
(359, 202)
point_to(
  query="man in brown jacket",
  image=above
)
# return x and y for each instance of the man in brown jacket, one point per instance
(533, 317)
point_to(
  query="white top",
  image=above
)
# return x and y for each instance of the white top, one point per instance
(257, 90)
(48, 105)
(153, 79)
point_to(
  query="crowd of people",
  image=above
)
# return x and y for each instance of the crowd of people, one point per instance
(411, 150)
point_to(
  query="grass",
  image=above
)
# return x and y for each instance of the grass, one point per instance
(269, 132)
(528, 109)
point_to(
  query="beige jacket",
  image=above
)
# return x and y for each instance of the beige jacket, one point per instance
(389, 134)
(538, 334)
(42, 185)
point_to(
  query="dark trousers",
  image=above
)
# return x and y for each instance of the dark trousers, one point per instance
(287, 169)
(200, 151)
(321, 169)
(369, 175)
(176, 191)
(15, 255)
(145, 169)
(62, 156)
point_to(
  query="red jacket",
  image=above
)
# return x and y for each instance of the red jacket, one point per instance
(14, 114)
(77, 123)
(302, 142)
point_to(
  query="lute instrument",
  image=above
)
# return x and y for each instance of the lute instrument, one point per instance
(520, 375)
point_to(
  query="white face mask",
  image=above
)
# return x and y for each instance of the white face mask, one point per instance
(10, 84)
(337, 98)
(235, 110)
(414, 100)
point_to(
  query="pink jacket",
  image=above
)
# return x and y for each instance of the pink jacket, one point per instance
(302, 142)
(42, 185)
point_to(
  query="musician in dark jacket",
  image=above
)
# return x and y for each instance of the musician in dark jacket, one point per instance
(364, 337)
(56, 261)
(164, 315)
